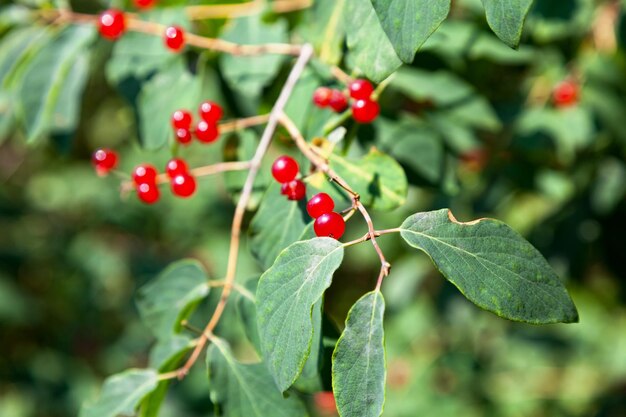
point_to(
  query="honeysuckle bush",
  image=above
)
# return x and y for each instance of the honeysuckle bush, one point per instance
(244, 322)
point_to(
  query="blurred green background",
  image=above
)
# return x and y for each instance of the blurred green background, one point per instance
(73, 253)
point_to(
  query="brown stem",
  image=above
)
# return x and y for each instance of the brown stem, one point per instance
(277, 111)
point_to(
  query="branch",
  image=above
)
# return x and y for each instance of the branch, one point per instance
(277, 111)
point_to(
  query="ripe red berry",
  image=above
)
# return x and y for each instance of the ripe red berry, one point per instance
(210, 111)
(176, 166)
(183, 185)
(183, 136)
(174, 38)
(285, 169)
(361, 89)
(104, 160)
(206, 132)
(295, 190)
(365, 111)
(321, 97)
(330, 225)
(337, 101)
(320, 204)
(144, 4)
(144, 173)
(181, 119)
(148, 192)
(284, 188)
(565, 94)
(112, 24)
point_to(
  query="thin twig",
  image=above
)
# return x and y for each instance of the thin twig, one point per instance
(239, 288)
(277, 111)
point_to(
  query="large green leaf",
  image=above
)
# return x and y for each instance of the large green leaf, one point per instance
(171, 297)
(493, 266)
(371, 52)
(325, 29)
(408, 23)
(359, 360)
(278, 223)
(506, 18)
(285, 298)
(246, 309)
(249, 74)
(122, 393)
(246, 390)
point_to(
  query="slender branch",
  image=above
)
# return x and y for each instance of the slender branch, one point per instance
(305, 55)
(340, 74)
(238, 124)
(367, 236)
(239, 288)
(384, 265)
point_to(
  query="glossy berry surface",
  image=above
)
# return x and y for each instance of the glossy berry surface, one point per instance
(565, 94)
(295, 190)
(183, 136)
(284, 188)
(320, 204)
(361, 89)
(183, 185)
(210, 111)
(181, 119)
(338, 102)
(104, 160)
(112, 24)
(365, 111)
(144, 173)
(148, 192)
(176, 166)
(285, 169)
(144, 4)
(321, 97)
(206, 131)
(330, 225)
(174, 38)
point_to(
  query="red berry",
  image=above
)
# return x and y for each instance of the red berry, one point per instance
(181, 119)
(337, 101)
(112, 24)
(148, 192)
(365, 111)
(176, 166)
(183, 136)
(295, 190)
(325, 403)
(183, 185)
(565, 94)
(284, 188)
(210, 111)
(321, 97)
(174, 38)
(285, 169)
(361, 89)
(320, 204)
(207, 132)
(144, 4)
(144, 173)
(330, 225)
(104, 160)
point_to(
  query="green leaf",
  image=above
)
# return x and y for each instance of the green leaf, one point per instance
(122, 393)
(310, 380)
(241, 146)
(172, 296)
(278, 223)
(250, 74)
(246, 309)
(408, 23)
(46, 77)
(359, 369)
(493, 266)
(506, 18)
(66, 113)
(371, 52)
(285, 298)
(325, 29)
(246, 390)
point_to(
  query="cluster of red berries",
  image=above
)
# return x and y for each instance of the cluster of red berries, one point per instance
(364, 109)
(206, 130)
(327, 222)
(565, 94)
(112, 25)
(285, 170)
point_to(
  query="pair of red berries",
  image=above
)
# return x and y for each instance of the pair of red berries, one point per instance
(285, 170)
(104, 161)
(327, 222)
(112, 25)
(182, 182)
(364, 109)
(206, 130)
(565, 94)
